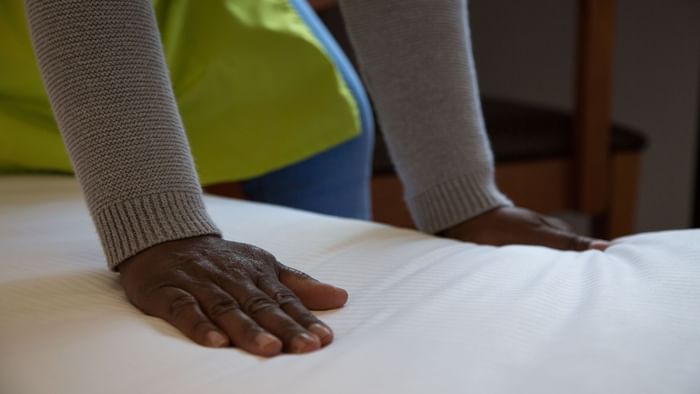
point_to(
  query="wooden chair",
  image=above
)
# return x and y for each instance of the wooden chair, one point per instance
(547, 160)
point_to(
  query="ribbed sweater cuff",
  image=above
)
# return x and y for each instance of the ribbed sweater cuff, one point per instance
(129, 227)
(452, 202)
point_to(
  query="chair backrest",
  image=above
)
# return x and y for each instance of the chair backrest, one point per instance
(591, 177)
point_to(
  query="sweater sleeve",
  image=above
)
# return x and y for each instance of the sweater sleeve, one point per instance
(103, 68)
(416, 58)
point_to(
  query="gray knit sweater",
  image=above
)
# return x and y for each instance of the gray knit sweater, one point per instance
(103, 68)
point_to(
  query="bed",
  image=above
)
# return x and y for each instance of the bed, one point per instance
(426, 315)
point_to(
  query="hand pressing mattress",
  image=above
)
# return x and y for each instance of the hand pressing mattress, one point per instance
(425, 315)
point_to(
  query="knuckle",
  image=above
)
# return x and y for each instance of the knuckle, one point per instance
(146, 295)
(180, 304)
(307, 318)
(284, 296)
(257, 304)
(223, 307)
(201, 326)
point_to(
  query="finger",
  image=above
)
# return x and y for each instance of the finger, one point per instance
(243, 331)
(182, 310)
(579, 243)
(565, 234)
(314, 294)
(599, 244)
(565, 240)
(293, 306)
(268, 314)
(582, 243)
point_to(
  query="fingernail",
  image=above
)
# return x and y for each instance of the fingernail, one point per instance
(340, 289)
(599, 245)
(215, 339)
(341, 292)
(303, 343)
(321, 332)
(265, 341)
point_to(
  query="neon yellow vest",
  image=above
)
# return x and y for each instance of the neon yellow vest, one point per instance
(254, 86)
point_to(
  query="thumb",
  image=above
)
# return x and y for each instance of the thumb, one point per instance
(314, 294)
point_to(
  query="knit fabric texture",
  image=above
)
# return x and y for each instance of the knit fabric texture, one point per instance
(416, 59)
(103, 68)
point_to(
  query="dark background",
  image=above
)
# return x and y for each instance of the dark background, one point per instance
(524, 50)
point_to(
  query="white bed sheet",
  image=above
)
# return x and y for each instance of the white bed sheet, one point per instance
(426, 315)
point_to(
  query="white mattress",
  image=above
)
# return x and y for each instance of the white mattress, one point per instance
(426, 315)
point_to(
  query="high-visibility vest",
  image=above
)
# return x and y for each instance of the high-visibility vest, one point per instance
(256, 89)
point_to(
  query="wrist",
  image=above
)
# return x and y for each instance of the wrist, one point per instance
(129, 227)
(453, 202)
(465, 226)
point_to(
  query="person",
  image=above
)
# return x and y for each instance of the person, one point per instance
(104, 71)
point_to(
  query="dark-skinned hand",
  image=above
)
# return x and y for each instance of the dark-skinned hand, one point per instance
(511, 225)
(221, 293)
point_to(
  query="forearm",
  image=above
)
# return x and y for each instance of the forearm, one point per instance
(103, 68)
(416, 58)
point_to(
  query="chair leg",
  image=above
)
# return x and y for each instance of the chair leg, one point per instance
(620, 218)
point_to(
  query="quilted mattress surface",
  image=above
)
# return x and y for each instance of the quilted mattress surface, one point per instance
(425, 315)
